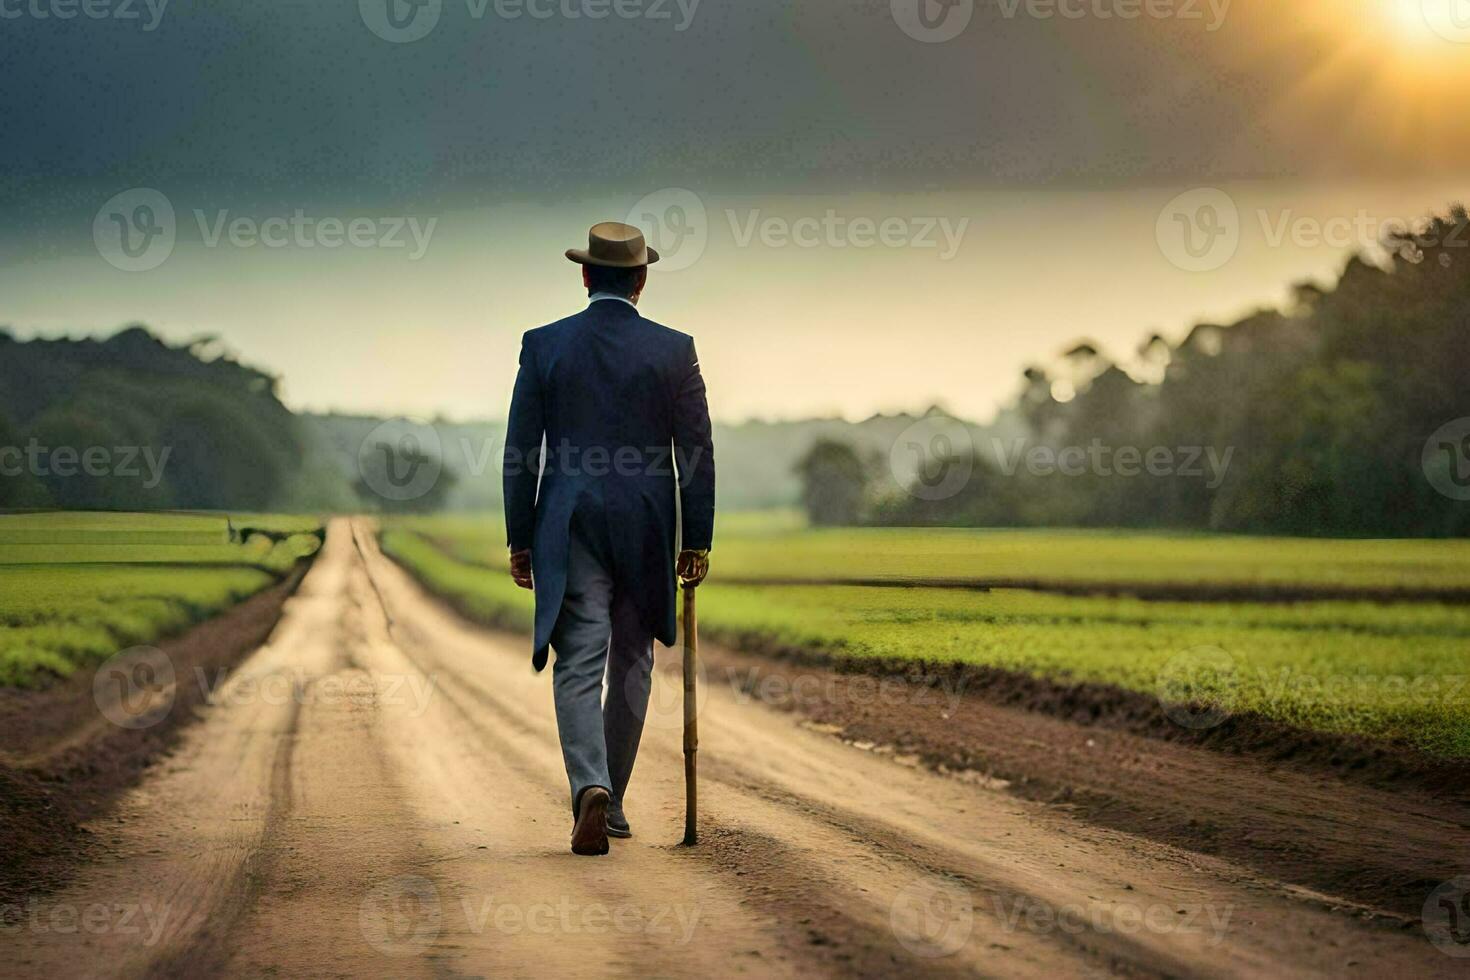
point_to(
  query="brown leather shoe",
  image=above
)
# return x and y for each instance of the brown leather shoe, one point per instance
(589, 836)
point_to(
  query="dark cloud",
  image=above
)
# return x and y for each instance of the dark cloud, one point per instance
(299, 96)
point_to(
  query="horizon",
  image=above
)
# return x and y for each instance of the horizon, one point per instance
(1112, 249)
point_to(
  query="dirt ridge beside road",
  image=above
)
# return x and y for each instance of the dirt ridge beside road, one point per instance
(66, 764)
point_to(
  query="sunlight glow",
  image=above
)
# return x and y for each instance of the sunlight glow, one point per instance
(1431, 22)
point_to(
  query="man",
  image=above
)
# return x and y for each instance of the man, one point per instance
(619, 400)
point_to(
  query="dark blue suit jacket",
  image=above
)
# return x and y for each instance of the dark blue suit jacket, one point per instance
(620, 402)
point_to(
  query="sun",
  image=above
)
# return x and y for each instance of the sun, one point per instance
(1430, 22)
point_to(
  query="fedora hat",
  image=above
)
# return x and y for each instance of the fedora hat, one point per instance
(614, 244)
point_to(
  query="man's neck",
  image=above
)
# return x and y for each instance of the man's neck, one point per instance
(597, 297)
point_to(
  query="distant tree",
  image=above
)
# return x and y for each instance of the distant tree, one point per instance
(220, 435)
(1322, 409)
(834, 484)
(19, 488)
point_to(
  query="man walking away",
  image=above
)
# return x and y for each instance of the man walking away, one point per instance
(593, 526)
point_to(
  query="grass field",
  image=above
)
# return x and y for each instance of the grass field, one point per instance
(77, 588)
(756, 547)
(1396, 671)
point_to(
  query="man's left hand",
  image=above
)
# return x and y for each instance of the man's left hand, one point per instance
(692, 567)
(520, 568)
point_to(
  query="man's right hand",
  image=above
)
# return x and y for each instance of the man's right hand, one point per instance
(692, 567)
(520, 568)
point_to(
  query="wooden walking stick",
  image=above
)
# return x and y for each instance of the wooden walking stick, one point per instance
(691, 724)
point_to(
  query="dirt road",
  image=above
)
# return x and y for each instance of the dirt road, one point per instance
(379, 791)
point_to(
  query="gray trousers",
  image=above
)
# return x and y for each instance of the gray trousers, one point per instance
(599, 635)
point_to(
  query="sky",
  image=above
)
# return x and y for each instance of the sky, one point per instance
(869, 206)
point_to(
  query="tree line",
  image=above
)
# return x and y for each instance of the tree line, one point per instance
(1315, 419)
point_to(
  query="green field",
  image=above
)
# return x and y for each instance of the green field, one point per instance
(1393, 671)
(75, 588)
(757, 547)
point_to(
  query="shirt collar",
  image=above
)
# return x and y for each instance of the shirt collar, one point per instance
(598, 297)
